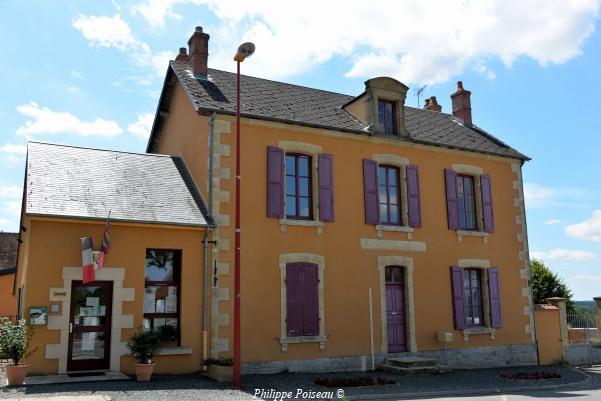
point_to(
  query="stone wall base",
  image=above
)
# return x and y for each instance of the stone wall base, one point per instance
(465, 358)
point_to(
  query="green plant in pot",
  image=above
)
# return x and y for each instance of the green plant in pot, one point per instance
(144, 346)
(14, 344)
(220, 369)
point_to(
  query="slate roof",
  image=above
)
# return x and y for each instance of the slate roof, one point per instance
(8, 252)
(69, 181)
(293, 104)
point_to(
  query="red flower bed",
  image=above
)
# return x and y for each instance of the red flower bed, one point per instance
(354, 382)
(530, 376)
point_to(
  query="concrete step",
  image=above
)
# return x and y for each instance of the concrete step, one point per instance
(415, 370)
(411, 362)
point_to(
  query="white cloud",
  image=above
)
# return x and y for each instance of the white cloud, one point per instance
(42, 120)
(570, 255)
(105, 31)
(585, 277)
(536, 195)
(78, 75)
(413, 41)
(589, 229)
(155, 11)
(141, 128)
(10, 192)
(13, 207)
(13, 149)
(553, 221)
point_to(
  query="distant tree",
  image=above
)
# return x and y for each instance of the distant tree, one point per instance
(546, 284)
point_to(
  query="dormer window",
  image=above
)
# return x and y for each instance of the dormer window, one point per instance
(387, 117)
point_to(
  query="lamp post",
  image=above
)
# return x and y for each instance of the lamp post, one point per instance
(244, 50)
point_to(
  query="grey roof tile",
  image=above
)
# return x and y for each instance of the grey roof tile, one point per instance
(278, 101)
(76, 182)
(8, 250)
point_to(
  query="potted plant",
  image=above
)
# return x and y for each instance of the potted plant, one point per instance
(144, 346)
(14, 343)
(220, 369)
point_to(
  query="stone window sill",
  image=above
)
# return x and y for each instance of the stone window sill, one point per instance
(303, 339)
(304, 223)
(398, 229)
(175, 351)
(465, 233)
(479, 330)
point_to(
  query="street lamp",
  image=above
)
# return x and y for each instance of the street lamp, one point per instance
(244, 50)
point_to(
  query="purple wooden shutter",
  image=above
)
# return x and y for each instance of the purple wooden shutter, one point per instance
(489, 224)
(452, 208)
(275, 182)
(326, 187)
(495, 298)
(458, 301)
(294, 299)
(310, 300)
(415, 219)
(370, 190)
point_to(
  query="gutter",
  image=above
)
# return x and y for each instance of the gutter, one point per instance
(205, 304)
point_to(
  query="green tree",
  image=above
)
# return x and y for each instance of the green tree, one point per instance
(546, 284)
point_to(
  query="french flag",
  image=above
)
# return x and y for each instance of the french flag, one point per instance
(87, 257)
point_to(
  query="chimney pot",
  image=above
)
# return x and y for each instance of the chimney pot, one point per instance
(183, 55)
(199, 52)
(432, 104)
(462, 106)
(427, 103)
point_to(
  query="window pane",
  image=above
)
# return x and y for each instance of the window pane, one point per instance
(392, 177)
(394, 196)
(383, 196)
(290, 165)
(290, 186)
(160, 299)
(394, 214)
(382, 175)
(459, 185)
(303, 186)
(381, 112)
(467, 185)
(290, 206)
(304, 207)
(159, 265)
(388, 274)
(303, 166)
(383, 213)
(397, 275)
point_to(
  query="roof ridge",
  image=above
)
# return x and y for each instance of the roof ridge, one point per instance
(99, 149)
(274, 81)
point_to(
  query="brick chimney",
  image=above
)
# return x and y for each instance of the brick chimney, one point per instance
(432, 104)
(199, 51)
(183, 55)
(462, 106)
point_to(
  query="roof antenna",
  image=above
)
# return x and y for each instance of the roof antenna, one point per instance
(418, 93)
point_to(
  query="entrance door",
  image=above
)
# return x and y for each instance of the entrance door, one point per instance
(395, 309)
(90, 326)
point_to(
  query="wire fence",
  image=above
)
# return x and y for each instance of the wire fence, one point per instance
(583, 327)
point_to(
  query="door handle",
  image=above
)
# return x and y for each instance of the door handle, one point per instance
(70, 327)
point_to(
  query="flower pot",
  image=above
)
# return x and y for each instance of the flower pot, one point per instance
(221, 373)
(15, 374)
(144, 371)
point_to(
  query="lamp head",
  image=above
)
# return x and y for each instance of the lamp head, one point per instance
(244, 50)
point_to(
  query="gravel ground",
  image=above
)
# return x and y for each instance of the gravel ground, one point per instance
(197, 387)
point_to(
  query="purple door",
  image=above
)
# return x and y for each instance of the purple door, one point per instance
(395, 309)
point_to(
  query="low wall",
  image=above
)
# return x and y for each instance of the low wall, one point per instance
(582, 354)
(467, 358)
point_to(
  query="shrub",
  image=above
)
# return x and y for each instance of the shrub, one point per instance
(144, 345)
(15, 339)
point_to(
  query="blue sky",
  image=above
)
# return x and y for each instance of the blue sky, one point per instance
(89, 73)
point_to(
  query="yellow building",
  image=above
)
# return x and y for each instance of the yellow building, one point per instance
(347, 202)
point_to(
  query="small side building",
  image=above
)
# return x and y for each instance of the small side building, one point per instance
(8, 266)
(153, 272)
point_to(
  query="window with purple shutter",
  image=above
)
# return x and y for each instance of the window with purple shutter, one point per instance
(466, 202)
(302, 300)
(326, 187)
(495, 298)
(452, 210)
(370, 191)
(458, 297)
(299, 196)
(415, 219)
(389, 195)
(275, 182)
(489, 225)
(472, 297)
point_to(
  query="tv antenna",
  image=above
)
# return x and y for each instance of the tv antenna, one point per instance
(418, 93)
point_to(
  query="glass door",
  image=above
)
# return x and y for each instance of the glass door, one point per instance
(90, 326)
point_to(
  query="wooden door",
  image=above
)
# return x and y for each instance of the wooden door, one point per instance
(395, 309)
